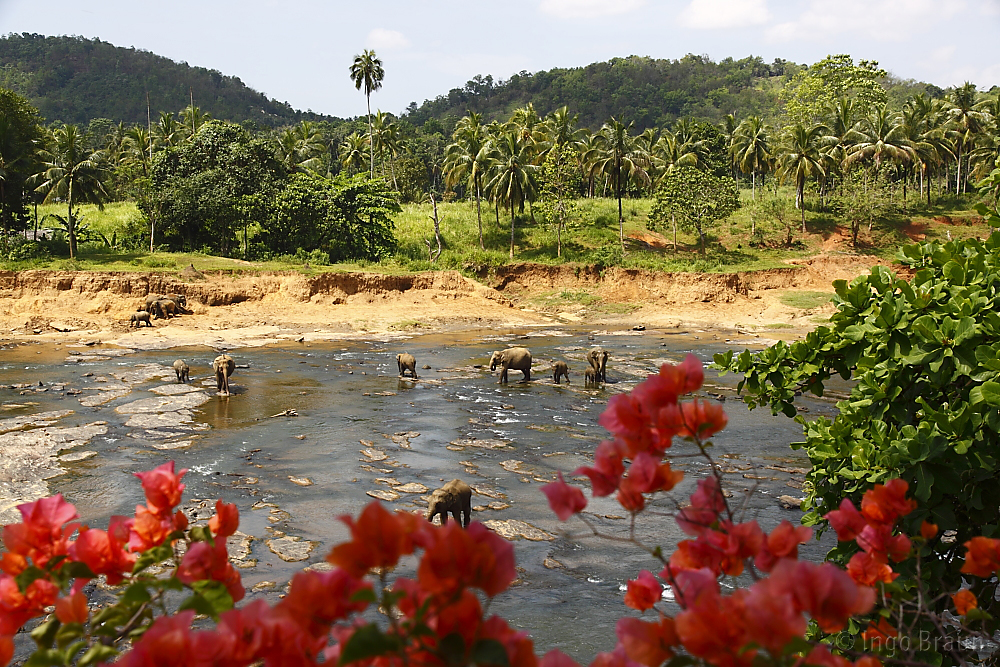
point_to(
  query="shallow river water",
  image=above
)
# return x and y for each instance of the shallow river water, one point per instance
(360, 433)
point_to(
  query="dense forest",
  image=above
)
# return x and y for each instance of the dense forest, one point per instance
(74, 80)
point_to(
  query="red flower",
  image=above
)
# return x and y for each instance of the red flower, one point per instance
(43, 534)
(378, 539)
(317, 599)
(466, 557)
(16, 608)
(162, 487)
(7, 652)
(148, 529)
(964, 601)
(887, 502)
(203, 561)
(648, 643)
(226, 520)
(695, 555)
(607, 470)
(104, 552)
(880, 632)
(72, 609)
(928, 530)
(868, 569)
(556, 658)
(847, 521)
(982, 556)
(706, 503)
(713, 629)
(643, 591)
(824, 591)
(702, 419)
(565, 500)
(648, 475)
(616, 658)
(630, 498)
(167, 643)
(772, 619)
(821, 656)
(782, 542)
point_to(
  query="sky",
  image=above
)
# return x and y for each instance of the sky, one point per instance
(299, 51)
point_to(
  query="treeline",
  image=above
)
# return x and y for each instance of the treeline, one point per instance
(75, 80)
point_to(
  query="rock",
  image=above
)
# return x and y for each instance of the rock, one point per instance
(164, 403)
(552, 563)
(291, 549)
(62, 326)
(177, 444)
(173, 389)
(301, 481)
(426, 367)
(387, 495)
(411, 487)
(790, 502)
(512, 529)
(374, 454)
(263, 586)
(77, 456)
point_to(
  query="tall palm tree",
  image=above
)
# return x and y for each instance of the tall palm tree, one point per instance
(621, 160)
(966, 123)
(646, 143)
(139, 146)
(986, 154)
(192, 118)
(467, 157)
(751, 150)
(168, 131)
(880, 137)
(729, 125)
(513, 181)
(562, 129)
(802, 158)
(669, 153)
(73, 173)
(352, 151)
(367, 73)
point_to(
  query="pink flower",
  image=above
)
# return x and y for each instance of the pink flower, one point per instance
(565, 500)
(643, 592)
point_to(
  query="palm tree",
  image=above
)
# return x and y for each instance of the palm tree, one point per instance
(352, 151)
(986, 154)
(880, 137)
(16, 155)
(139, 146)
(513, 180)
(621, 161)
(750, 149)
(801, 158)
(646, 143)
(670, 153)
(192, 118)
(367, 72)
(562, 130)
(71, 172)
(966, 123)
(168, 131)
(467, 157)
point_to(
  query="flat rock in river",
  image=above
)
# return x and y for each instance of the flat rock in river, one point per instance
(164, 403)
(290, 548)
(174, 389)
(512, 529)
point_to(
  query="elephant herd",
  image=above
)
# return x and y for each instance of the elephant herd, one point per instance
(519, 359)
(159, 306)
(223, 366)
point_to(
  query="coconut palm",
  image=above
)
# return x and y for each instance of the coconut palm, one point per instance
(352, 151)
(562, 130)
(986, 155)
(513, 181)
(192, 118)
(467, 158)
(367, 73)
(801, 157)
(73, 173)
(751, 150)
(139, 146)
(880, 138)
(167, 131)
(300, 148)
(621, 161)
(965, 122)
(669, 153)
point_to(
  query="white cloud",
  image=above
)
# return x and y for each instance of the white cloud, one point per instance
(717, 14)
(588, 9)
(883, 20)
(389, 40)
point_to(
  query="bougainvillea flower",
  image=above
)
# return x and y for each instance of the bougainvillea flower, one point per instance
(847, 521)
(820, 655)
(16, 608)
(607, 470)
(643, 592)
(616, 658)
(964, 601)
(879, 633)
(772, 620)
(648, 643)
(884, 503)
(694, 555)
(318, 599)
(556, 658)
(379, 539)
(72, 609)
(520, 648)
(690, 586)
(168, 641)
(7, 651)
(928, 530)
(43, 533)
(714, 629)
(226, 519)
(706, 503)
(162, 487)
(868, 569)
(982, 556)
(701, 419)
(824, 591)
(648, 475)
(565, 500)
(148, 529)
(630, 498)
(868, 661)
(203, 561)
(104, 552)
(12, 563)
(782, 542)
(459, 557)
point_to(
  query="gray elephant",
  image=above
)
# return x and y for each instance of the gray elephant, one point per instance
(598, 360)
(139, 317)
(406, 362)
(181, 302)
(517, 358)
(223, 365)
(454, 497)
(182, 370)
(150, 300)
(560, 369)
(163, 309)
(589, 377)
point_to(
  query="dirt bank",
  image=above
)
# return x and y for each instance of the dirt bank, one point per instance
(256, 308)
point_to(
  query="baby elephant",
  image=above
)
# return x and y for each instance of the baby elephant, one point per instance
(560, 369)
(598, 360)
(183, 371)
(139, 317)
(590, 377)
(406, 362)
(454, 497)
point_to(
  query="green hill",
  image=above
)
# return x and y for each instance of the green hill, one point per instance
(74, 79)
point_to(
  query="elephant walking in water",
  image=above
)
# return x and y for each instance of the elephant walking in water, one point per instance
(406, 362)
(182, 370)
(454, 497)
(518, 358)
(223, 365)
(560, 369)
(598, 360)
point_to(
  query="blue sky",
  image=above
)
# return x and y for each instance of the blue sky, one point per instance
(299, 50)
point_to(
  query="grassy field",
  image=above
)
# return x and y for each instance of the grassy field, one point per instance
(591, 237)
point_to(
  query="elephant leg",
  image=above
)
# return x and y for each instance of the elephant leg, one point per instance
(527, 374)
(467, 513)
(444, 517)
(455, 513)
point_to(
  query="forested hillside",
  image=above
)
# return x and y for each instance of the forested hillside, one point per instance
(74, 79)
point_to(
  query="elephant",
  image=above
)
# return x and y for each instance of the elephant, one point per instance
(180, 300)
(138, 317)
(560, 369)
(183, 371)
(223, 365)
(598, 360)
(518, 358)
(406, 362)
(454, 497)
(150, 300)
(164, 309)
(590, 377)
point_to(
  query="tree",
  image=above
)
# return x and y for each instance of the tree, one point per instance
(801, 158)
(881, 138)
(620, 160)
(467, 157)
(72, 173)
(559, 182)
(860, 200)
(966, 123)
(813, 91)
(367, 73)
(750, 149)
(352, 151)
(19, 138)
(695, 198)
(513, 179)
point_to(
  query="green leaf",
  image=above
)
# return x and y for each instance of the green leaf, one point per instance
(367, 642)
(451, 649)
(364, 595)
(988, 392)
(151, 557)
(978, 614)
(489, 652)
(46, 658)
(97, 653)
(210, 598)
(201, 534)
(136, 594)
(77, 570)
(68, 633)
(28, 576)
(45, 633)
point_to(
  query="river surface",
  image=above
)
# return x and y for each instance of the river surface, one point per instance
(360, 433)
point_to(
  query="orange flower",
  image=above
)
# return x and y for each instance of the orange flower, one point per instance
(643, 591)
(964, 601)
(772, 620)
(887, 502)
(928, 530)
(648, 643)
(148, 529)
(821, 656)
(43, 534)
(168, 641)
(226, 520)
(7, 651)
(556, 658)
(461, 557)
(702, 419)
(565, 500)
(607, 470)
(879, 633)
(104, 552)
(72, 609)
(16, 608)
(824, 591)
(317, 599)
(648, 475)
(982, 556)
(162, 487)
(378, 539)
(869, 569)
(868, 661)
(782, 542)
(847, 521)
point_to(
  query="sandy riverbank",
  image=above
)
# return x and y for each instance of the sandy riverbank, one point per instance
(249, 309)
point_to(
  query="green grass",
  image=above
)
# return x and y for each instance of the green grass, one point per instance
(805, 300)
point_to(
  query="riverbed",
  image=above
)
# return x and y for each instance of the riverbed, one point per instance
(316, 430)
